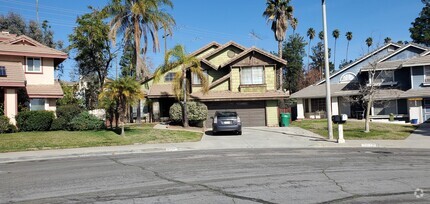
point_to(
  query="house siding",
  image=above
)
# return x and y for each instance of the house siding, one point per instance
(214, 75)
(272, 113)
(408, 53)
(235, 79)
(205, 52)
(47, 75)
(356, 68)
(222, 57)
(270, 77)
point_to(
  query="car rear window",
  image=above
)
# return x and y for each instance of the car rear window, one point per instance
(227, 114)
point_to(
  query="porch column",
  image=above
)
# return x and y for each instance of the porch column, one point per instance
(11, 104)
(156, 110)
(334, 106)
(300, 109)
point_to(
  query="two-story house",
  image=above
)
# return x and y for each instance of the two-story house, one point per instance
(27, 68)
(240, 79)
(400, 81)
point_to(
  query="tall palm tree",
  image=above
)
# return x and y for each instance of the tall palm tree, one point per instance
(134, 19)
(294, 24)
(125, 91)
(387, 40)
(311, 35)
(280, 14)
(335, 34)
(369, 42)
(349, 38)
(175, 58)
(321, 35)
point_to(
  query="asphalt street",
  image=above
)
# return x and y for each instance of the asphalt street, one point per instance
(353, 175)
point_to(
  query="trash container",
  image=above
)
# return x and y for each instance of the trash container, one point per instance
(414, 121)
(285, 119)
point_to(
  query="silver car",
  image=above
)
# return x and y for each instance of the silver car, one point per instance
(226, 121)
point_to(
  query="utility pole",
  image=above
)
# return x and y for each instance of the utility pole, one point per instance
(327, 73)
(37, 11)
(165, 41)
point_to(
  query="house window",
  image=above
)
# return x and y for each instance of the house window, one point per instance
(2, 71)
(384, 77)
(33, 64)
(384, 107)
(37, 104)
(169, 77)
(348, 77)
(195, 78)
(427, 74)
(252, 75)
(318, 104)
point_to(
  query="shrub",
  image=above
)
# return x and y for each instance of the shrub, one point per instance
(59, 124)
(86, 121)
(68, 112)
(34, 120)
(196, 111)
(4, 124)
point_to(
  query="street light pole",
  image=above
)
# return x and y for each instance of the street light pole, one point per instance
(327, 74)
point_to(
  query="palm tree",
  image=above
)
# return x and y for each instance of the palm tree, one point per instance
(136, 18)
(349, 38)
(335, 34)
(321, 35)
(294, 24)
(369, 42)
(175, 58)
(387, 40)
(311, 35)
(125, 91)
(280, 13)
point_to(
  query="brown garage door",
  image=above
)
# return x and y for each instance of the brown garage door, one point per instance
(251, 113)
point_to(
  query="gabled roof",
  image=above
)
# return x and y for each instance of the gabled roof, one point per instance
(206, 47)
(254, 49)
(14, 75)
(45, 91)
(319, 91)
(360, 60)
(226, 45)
(403, 48)
(30, 48)
(239, 96)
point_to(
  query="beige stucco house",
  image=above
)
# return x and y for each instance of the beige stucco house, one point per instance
(27, 67)
(240, 79)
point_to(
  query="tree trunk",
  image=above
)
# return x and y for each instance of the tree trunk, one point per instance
(184, 104)
(138, 112)
(334, 57)
(347, 47)
(280, 70)
(367, 123)
(309, 54)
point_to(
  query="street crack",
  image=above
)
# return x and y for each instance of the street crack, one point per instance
(207, 187)
(335, 182)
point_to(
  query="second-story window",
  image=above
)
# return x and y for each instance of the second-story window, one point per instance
(33, 64)
(195, 78)
(252, 75)
(427, 74)
(384, 77)
(169, 77)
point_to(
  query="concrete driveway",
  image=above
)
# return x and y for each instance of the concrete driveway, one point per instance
(263, 137)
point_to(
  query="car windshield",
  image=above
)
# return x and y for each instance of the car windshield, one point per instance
(226, 114)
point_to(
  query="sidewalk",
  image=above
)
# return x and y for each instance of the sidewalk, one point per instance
(259, 137)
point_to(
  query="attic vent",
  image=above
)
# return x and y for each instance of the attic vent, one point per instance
(230, 54)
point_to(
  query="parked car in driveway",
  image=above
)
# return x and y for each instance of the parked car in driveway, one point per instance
(226, 121)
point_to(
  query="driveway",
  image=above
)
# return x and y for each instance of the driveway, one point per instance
(263, 137)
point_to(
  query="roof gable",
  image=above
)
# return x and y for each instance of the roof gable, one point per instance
(253, 51)
(201, 52)
(359, 60)
(409, 47)
(23, 40)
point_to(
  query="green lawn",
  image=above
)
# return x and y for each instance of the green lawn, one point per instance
(144, 134)
(354, 130)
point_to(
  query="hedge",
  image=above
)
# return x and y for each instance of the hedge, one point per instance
(196, 111)
(34, 120)
(86, 121)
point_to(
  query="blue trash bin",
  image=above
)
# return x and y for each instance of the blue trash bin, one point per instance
(414, 121)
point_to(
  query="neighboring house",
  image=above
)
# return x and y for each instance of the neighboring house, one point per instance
(240, 79)
(402, 86)
(27, 67)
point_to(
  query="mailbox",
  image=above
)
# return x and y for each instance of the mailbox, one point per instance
(339, 119)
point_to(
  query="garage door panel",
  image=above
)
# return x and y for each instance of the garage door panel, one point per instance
(251, 113)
